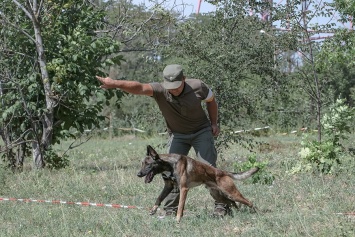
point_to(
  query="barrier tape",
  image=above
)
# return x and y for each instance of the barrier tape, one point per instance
(346, 213)
(28, 200)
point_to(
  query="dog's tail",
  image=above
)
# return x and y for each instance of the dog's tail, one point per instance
(245, 174)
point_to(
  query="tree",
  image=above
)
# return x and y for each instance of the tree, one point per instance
(297, 18)
(339, 51)
(49, 89)
(140, 31)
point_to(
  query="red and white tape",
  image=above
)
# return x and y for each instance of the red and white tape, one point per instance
(27, 200)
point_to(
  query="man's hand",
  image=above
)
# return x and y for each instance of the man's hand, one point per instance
(107, 83)
(215, 130)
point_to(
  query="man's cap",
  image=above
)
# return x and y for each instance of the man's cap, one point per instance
(173, 75)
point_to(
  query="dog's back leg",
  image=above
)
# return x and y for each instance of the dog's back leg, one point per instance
(220, 197)
(228, 187)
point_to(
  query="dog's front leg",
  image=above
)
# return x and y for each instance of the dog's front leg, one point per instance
(168, 187)
(183, 195)
(153, 210)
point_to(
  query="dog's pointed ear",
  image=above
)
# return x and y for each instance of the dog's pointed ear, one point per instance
(151, 152)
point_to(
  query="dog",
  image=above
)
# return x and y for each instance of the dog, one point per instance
(187, 173)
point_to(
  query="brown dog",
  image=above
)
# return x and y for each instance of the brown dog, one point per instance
(188, 173)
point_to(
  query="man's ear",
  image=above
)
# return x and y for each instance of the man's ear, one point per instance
(151, 152)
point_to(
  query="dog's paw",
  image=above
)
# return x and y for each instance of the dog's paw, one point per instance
(153, 210)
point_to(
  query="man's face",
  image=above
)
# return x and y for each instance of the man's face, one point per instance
(177, 91)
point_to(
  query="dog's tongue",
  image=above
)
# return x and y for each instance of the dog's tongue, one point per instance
(149, 177)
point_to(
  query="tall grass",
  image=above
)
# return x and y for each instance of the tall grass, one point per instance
(104, 171)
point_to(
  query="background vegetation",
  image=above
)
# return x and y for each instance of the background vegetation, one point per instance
(286, 104)
(266, 68)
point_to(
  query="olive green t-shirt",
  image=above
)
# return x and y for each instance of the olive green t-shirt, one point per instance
(184, 113)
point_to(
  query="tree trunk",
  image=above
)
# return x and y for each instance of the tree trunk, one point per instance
(317, 93)
(47, 120)
(38, 161)
(20, 157)
(40, 145)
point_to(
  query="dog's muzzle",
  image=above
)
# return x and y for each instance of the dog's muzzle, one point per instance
(148, 177)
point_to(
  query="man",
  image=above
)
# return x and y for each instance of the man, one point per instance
(179, 100)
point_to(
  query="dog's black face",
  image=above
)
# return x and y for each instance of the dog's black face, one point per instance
(149, 166)
(148, 169)
(152, 165)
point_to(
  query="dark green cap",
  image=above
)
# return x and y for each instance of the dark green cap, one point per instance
(173, 76)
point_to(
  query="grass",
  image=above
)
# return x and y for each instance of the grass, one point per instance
(104, 171)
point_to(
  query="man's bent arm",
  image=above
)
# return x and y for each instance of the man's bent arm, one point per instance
(212, 109)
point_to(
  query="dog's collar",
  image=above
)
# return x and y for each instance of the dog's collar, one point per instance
(169, 175)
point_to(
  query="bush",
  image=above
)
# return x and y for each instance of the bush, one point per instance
(262, 176)
(324, 156)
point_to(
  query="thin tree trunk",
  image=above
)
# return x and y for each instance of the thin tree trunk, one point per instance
(47, 120)
(317, 93)
(8, 151)
(20, 157)
(41, 145)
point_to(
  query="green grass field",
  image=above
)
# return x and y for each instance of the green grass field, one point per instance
(104, 171)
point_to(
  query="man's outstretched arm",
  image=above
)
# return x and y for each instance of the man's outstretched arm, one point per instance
(132, 87)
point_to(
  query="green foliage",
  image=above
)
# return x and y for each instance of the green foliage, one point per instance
(336, 122)
(54, 160)
(346, 9)
(141, 30)
(338, 50)
(146, 116)
(75, 55)
(226, 50)
(77, 49)
(262, 176)
(326, 155)
(319, 156)
(253, 75)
